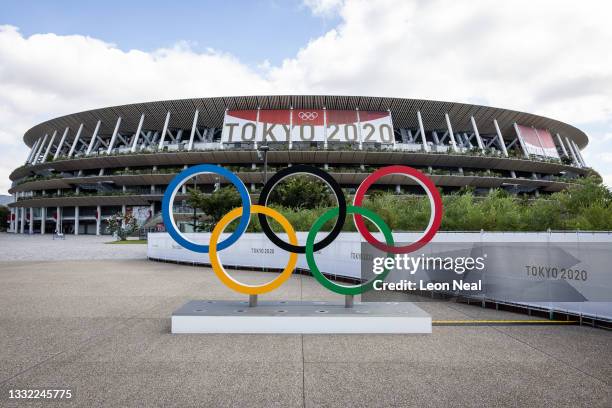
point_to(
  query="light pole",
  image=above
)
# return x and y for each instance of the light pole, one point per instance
(265, 149)
(195, 217)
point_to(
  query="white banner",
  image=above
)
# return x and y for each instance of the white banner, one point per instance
(307, 125)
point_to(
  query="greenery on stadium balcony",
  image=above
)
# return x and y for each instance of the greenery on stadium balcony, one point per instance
(258, 169)
(586, 206)
(489, 152)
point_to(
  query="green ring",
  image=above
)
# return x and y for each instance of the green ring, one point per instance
(335, 287)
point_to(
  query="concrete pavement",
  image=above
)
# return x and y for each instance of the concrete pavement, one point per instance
(103, 328)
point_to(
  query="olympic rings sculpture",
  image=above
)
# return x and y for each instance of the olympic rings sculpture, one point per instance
(244, 214)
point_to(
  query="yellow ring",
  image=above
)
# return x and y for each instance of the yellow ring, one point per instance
(230, 282)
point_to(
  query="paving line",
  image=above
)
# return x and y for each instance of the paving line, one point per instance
(500, 322)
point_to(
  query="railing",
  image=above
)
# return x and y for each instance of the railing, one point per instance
(310, 146)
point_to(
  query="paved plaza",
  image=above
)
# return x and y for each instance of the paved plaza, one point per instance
(36, 247)
(96, 319)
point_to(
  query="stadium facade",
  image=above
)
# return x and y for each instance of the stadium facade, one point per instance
(85, 167)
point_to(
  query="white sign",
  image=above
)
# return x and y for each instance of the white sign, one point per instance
(307, 125)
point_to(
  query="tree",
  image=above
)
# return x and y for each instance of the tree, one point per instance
(301, 192)
(122, 225)
(4, 217)
(214, 205)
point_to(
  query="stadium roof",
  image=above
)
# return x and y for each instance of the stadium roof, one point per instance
(403, 112)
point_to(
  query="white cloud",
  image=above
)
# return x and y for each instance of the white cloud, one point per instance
(324, 8)
(47, 75)
(518, 54)
(545, 57)
(604, 157)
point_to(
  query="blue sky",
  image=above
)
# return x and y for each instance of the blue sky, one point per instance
(240, 27)
(61, 57)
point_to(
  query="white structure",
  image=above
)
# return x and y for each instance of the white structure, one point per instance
(86, 166)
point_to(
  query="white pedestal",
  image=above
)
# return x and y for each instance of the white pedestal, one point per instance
(220, 316)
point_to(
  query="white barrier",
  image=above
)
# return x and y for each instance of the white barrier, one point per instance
(342, 257)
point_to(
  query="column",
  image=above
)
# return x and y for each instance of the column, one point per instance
(98, 219)
(60, 146)
(520, 139)
(571, 149)
(93, 139)
(76, 220)
(22, 227)
(193, 130)
(500, 137)
(562, 146)
(579, 154)
(15, 215)
(44, 158)
(162, 137)
(34, 158)
(31, 226)
(477, 134)
(34, 148)
(43, 218)
(111, 144)
(75, 141)
(12, 224)
(57, 219)
(422, 130)
(450, 132)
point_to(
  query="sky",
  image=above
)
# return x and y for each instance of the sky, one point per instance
(548, 57)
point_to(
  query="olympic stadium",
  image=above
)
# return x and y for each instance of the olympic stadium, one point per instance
(87, 166)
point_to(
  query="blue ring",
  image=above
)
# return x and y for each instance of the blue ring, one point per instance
(178, 180)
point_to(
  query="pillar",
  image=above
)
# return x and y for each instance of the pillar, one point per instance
(43, 219)
(98, 219)
(15, 214)
(57, 219)
(31, 226)
(422, 130)
(520, 139)
(76, 220)
(451, 135)
(22, 228)
(477, 134)
(562, 146)
(502, 142)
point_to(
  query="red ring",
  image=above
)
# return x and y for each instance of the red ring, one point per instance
(430, 188)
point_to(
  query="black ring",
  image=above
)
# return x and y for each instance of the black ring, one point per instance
(317, 172)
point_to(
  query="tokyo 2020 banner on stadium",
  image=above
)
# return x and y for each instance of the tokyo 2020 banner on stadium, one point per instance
(312, 125)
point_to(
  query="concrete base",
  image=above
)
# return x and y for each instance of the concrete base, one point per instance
(221, 316)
